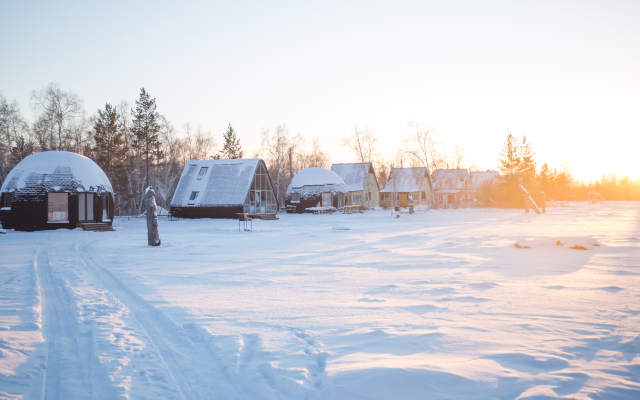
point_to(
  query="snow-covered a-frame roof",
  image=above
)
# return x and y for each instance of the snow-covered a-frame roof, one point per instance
(218, 182)
(405, 180)
(57, 170)
(354, 175)
(449, 179)
(480, 177)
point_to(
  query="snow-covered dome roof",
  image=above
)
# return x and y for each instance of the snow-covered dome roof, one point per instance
(60, 170)
(318, 178)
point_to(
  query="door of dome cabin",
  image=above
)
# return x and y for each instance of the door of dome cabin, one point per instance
(86, 202)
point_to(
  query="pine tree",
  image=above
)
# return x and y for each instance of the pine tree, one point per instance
(510, 162)
(527, 167)
(110, 150)
(545, 180)
(231, 148)
(146, 129)
(510, 157)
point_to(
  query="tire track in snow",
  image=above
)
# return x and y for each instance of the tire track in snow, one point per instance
(195, 373)
(68, 371)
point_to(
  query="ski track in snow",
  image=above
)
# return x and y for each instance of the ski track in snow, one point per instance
(69, 354)
(194, 370)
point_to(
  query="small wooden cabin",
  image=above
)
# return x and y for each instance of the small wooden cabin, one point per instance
(407, 183)
(361, 182)
(224, 188)
(53, 190)
(452, 188)
(313, 187)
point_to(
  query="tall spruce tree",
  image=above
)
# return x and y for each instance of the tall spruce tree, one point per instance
(527, 168)
(146, 129)
(110, 151)
(231, 148)
(510, 162)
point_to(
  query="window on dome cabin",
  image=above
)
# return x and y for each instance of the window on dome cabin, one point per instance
(6, 199)
(193, 195)
(326, 199)
(105, 207)
(203, 172)
(295, 197)
(58, 207)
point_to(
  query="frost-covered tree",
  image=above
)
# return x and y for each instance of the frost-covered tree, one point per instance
(231, 148)
(15, 143)
(57, 112)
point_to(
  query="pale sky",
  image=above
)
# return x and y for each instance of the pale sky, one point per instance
(564, 73)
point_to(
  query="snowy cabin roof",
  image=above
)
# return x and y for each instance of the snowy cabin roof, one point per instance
(353, 174)
(405, 180)
(57, 171)
(313, 181)
(480, 177)
(449, 180)
(223, 183)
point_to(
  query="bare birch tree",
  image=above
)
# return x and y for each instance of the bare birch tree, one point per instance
(276, 145)
(363, 144)
(59, 109)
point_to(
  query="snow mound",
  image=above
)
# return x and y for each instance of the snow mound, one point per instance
(574, 243)
(84, 171)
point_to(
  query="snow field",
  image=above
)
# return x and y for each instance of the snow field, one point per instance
(430, 305)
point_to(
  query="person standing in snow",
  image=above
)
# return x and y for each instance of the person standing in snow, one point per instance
(152, 217)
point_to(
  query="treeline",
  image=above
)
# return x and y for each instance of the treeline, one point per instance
(519, 168)
(137, 146)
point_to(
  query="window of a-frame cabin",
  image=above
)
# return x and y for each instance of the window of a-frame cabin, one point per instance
(295, 197)
(203, 172)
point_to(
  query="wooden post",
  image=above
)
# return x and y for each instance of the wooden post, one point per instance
(544, 201)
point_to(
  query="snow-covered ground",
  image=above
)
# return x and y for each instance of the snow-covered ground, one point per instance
(437, 305)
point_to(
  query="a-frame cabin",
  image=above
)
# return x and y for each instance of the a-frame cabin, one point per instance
(224, 188)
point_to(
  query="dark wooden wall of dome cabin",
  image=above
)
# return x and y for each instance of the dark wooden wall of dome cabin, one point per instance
(206, 212)
(311, 201)
(29, 212)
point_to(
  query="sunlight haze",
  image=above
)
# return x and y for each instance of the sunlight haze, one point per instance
(563, 73)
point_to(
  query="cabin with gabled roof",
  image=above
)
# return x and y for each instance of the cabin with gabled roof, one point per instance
(223, 189)
(407, 186)
(452, 188)
(361, 182)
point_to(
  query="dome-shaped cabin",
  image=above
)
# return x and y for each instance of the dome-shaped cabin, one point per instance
(55, 189)
(315, 186)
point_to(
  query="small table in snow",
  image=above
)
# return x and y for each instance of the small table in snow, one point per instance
(322, 209)
(242, 217)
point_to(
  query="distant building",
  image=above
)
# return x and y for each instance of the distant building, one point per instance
(360, 179)
(314, 187)
(224, 188)
(405, 184)
(53, 190)
(452, 188)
